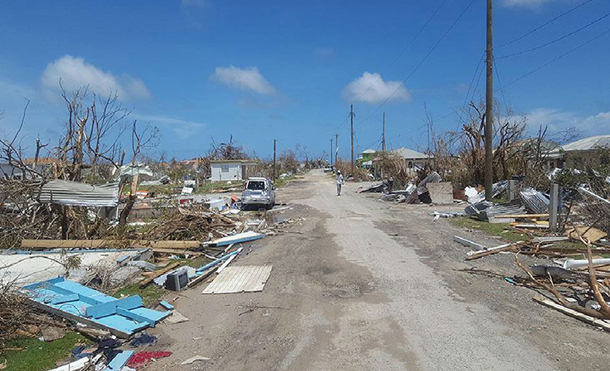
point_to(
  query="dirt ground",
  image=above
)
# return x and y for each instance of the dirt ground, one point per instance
(360, 284)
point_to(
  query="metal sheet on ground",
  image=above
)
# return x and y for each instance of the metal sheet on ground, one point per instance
(246, 278)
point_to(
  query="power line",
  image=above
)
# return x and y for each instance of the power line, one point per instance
(403, 50)
(556, 40)
(474, 76)
(545, 24)
(422, 61)
(501, 88)
(558, 58)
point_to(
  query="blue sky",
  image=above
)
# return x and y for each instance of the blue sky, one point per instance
(202, 69)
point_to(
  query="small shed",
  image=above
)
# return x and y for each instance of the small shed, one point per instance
(226, 170)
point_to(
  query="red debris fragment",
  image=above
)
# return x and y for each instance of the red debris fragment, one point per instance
(143, 358)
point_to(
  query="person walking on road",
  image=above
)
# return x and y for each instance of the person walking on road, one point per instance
(339, 182)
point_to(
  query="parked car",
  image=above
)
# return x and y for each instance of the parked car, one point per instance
(258, 192)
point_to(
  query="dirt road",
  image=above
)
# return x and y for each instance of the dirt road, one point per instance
(364, 285)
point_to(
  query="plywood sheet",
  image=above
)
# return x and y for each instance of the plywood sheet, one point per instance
(245, 278)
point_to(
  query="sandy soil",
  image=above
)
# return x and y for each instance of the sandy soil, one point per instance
(368, 285)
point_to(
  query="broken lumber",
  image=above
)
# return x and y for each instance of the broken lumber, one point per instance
(549, 239)
(468, 243)
(572, 313)
(158, 273)
(176, 251)
(589, 233)
(493, 250)
(96, 244)
(535, 226)
(523, 216)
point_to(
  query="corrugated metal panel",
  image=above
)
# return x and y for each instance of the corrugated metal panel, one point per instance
(69, 193)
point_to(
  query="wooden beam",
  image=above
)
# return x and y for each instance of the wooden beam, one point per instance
(158, 273)
(572, 313)
(100, 244)
(493, 250)
(526, 216)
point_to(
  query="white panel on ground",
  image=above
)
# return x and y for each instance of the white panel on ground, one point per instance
(246, 278)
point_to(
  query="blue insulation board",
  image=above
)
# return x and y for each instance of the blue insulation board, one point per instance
(119, 360)
(126, 315)
(238, 238)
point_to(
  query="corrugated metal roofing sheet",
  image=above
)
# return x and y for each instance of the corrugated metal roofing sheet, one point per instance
(586, 144)
(69, 193)
(411, 154)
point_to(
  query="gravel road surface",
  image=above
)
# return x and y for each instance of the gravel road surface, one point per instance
(359, 284)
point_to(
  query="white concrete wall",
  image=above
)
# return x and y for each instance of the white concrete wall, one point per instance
(231, 172)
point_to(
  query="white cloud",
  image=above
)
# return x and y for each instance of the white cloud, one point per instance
(371, 88)
(246, 79)
(182, 128)
(75, 73)
(558, 120)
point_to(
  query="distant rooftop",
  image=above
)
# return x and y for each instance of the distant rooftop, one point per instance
(368, 151)
(411, 154)
(587, 144)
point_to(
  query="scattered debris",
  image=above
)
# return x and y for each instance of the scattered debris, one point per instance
(195, 359)
(141, 359)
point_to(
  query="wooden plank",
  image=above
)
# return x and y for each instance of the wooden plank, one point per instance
(572, 313)
(258, 283)
(535, 226)
(96, 244)
(158, 273)
(493, 250)
(468, 243)
(549, 239)
(205, 275)
(525, 216)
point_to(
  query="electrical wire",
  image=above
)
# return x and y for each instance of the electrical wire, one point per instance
(422, 61)
(556, 40)
(501, 88)
(403, 50)
(558, 58)
(474, 76)
(544, 24)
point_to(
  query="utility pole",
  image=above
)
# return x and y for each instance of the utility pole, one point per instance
(336, 148)
(331, 151)
(383, 134)
(274, 147)
(489, 102)
(351, 116)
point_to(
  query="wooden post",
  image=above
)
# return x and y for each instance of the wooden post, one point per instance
(554, 207)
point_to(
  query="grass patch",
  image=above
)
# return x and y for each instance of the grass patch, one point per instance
(39, 355)
(494, 229)
(149, 294)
